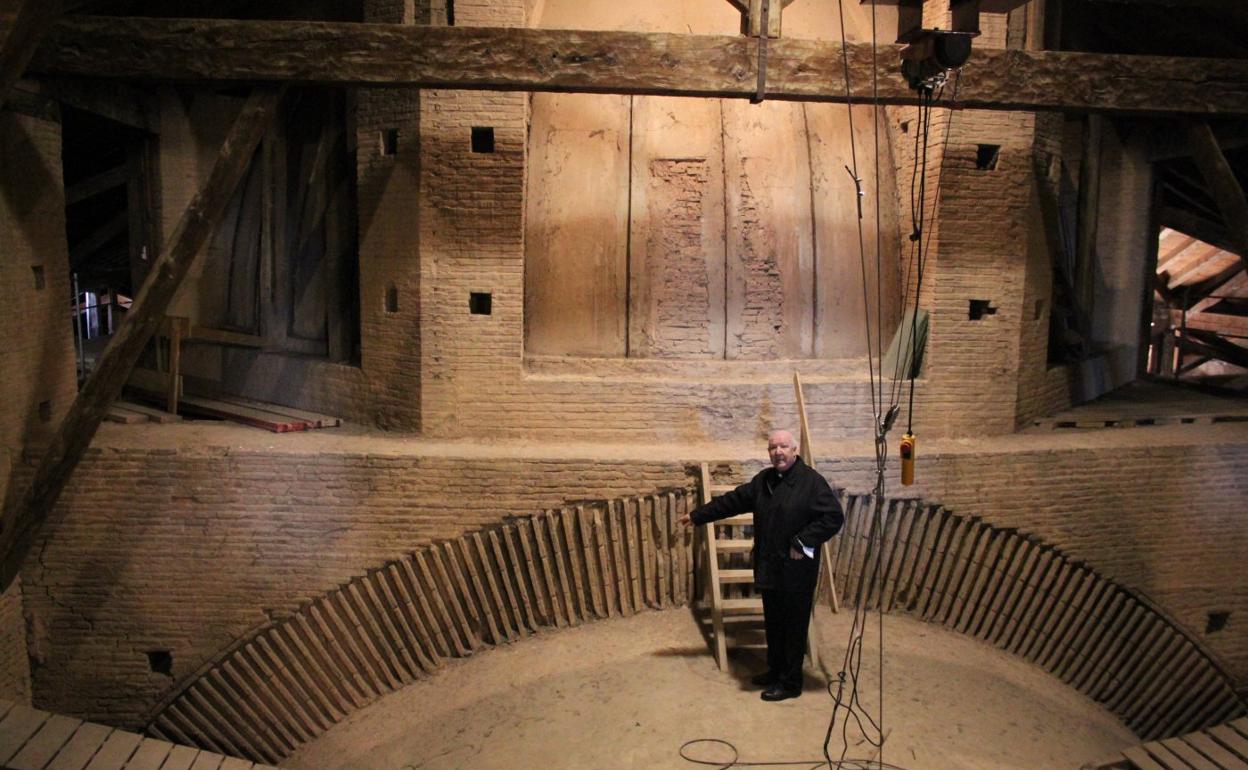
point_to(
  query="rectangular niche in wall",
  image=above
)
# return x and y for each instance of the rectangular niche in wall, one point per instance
(980, 308)
(37, 270)
(480, 303)
(986, 156)
(390, 141)
(482, 139)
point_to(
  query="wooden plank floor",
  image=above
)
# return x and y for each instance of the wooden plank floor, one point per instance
(31, 739)
(1224, 747)
(1151, 402)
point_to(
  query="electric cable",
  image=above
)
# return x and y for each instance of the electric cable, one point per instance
(871, 731)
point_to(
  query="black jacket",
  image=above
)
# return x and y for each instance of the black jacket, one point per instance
(796, 505)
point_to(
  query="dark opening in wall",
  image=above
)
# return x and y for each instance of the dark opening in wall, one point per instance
(905, 126)
(980, 308)
(38, 271)
(392, 299)
(1216, 622)
(45, 411)
(450, 13)
(986, 156)
(480, 303)
(482, 139)
(160, 661)
(390, 141)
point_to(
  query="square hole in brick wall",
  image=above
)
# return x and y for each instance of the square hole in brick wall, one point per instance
(1216, 621)
(392, 299)
(905, 126)
(38, 273)
(389, 141)
(980, 308)
(160, 661)
(986, 156)
(482, 139)
(45, 411)
(480, 303)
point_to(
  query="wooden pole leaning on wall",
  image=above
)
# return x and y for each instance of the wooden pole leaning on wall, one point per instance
(26, 515)
(825, 567)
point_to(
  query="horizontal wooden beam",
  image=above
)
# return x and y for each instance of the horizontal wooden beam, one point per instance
(97, 185)
(184, 50)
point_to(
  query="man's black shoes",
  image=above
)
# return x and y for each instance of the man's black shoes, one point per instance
(780, 692)
(765, 679)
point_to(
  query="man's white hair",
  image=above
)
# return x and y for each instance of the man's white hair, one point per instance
(774, 431)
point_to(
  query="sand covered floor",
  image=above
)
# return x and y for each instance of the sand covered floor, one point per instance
(627, 693)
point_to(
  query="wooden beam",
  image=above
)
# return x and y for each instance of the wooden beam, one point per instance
(26, 516)
(1176, 245)
(1222, 185)
(1214, 345)
(1191, 296)
(95, 185)
(1188, 222)
(186, 50)
(24, 24)
(98, 238)
(112, 100)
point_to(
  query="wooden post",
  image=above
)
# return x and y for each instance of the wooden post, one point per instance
(1089, 205)
(24, 517)
(1223, 184)
(177, 329)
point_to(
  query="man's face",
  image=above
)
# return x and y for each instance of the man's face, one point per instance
(782, 450)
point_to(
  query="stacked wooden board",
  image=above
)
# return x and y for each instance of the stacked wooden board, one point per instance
(129, 413)
(272, 417)
(31, 739)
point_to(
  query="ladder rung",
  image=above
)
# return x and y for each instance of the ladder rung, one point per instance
(733, 546)
(719, 489)
(745, 518)
(751, 617)
(736, 576)
(752, 604)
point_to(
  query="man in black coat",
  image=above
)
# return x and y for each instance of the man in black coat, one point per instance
(795, 511)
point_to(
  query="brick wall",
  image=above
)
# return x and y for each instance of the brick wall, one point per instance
(14, 663)
(37, 356)
(186, 550)
(439, 222)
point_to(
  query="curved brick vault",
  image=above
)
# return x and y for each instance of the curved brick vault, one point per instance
(291, 680)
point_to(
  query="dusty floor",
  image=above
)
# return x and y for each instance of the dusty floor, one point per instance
(628, 693)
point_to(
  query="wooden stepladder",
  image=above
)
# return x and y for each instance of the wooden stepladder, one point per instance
(727, 537)
(724, 538)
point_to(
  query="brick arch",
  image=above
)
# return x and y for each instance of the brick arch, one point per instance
(293, 679)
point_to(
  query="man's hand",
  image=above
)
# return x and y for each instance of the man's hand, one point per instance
(796, 554)
(684, 520)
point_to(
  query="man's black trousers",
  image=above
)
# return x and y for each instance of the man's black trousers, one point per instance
(786, 616)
